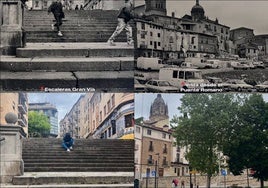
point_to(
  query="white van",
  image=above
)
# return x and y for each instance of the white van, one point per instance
(149, 63)
(182, 77)
(197, 62)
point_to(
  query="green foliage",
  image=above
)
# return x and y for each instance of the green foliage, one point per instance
(38, 123)
(139, 121)
(233, 124)
(249, 146)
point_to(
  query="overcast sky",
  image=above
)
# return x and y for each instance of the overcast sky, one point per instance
(233, 13)
(63, 101)
(143, 103)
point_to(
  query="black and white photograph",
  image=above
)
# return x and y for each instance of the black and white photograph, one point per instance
(201, 46)
(67, 45)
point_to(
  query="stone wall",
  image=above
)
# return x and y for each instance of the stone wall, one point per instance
(11, 152)
(10, 26)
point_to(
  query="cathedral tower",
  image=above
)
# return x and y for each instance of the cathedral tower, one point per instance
(159, 112)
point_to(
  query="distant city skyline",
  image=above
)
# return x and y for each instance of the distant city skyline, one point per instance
(232, 13)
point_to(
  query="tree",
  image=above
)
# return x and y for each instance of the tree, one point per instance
(202, 129)
(248, 146)
(38, 124)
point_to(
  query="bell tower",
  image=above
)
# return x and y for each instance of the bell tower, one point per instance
(155, 7)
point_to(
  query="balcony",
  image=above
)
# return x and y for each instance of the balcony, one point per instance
(22, 108)
(22, 121)
(150, 162)
(165, 163)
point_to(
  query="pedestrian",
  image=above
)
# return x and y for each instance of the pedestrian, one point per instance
(76, 7)
(56, 9)
(81, 7)
(175, 183)
(123, 18)
(182, 184)
(68, 142)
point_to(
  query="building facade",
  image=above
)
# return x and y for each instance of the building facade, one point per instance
(44, 4)
(155, 150)
(155, 40)
(101, 116)
(16, 103)
(51, 112)
(104, 4)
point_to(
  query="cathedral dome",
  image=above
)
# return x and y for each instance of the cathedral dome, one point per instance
(197, 11)
(159, 109)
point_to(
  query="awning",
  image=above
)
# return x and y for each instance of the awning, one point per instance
(128, 137)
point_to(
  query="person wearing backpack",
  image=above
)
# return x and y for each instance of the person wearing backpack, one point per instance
(123, 17)
(56, 9)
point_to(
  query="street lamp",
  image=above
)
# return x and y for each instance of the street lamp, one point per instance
(156, 171)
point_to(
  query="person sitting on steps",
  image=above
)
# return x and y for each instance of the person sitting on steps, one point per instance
(123, 17)
(56, 9)
(68, 142)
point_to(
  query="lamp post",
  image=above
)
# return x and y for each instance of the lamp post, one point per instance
(156, 171)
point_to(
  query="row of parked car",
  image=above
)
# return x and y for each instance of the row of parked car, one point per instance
(154, 85)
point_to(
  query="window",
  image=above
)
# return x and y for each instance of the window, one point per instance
(109, 105)
(175, 74)
(151, 42)
(104, 109)
(159, 43)
(149, 132)
(113, 101)
(109, 132)
(192, 42)
(165, 161)
(113, 122)
(143, 26)
(100, 116)
(165, 149)
(151, 148)
(181, 74)
(138, 129)
(128, 120)
(163, 135)
(221, 30)
(158, 35)
(151, 33)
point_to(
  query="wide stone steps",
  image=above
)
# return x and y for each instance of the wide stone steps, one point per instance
(99, 81)
(74, 179)
(78, 26)
(87, 156)
(93, 66)
(70, 186)
(103, 50)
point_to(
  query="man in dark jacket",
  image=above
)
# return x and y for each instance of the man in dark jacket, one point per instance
(56, 9)
(123, 17)
(68, 142)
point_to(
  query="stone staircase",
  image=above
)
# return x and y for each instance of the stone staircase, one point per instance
(78, 26)
(79, 59)
(92, 163)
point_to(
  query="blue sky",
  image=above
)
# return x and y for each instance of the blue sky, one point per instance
(233, 13)
(63, 101)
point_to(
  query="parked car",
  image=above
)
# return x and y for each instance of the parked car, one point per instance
(160, 86)
(237, 85)
(258, 64)
(241, 66)
(138, 87)
(262, 87)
